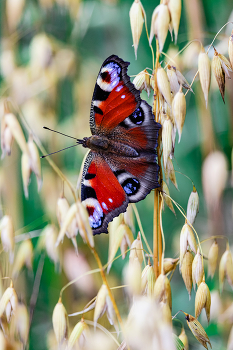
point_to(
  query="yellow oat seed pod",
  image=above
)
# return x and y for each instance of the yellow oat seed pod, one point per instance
(175, 10)
(14, 12)
(121, 232)
(162, 290)
(164, 85)
(8, 301)
(186, 271)
(136, 249)
(179, 111)
(183, 337)
(226, 268)
(197, 330)
(203, 300)
(100, 305)
(193, 206)
(214, 178)
(167, 139)
(8, 236)
(132, 277)
(165, 194)
(60, 322)
(172, 77)
(16, 130)
(212, 259)
(219, 73)
(169, 264)
(204, 68)
(81, 330)
(84, 225)
(136, 15)
(170, 172)
(166, 312)
(160, 24)
(197, 269)
(35, 161)
(187, 238)
(6, 138)
(150, 281)
(142, 81)
(26, 172)
(230, 48)
(22, 322)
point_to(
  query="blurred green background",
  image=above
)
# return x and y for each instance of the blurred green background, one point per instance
(51, 52)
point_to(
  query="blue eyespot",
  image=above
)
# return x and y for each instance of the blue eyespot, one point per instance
(131, 186)
(137, 117)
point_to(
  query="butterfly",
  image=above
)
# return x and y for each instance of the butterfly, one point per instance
(121, 166)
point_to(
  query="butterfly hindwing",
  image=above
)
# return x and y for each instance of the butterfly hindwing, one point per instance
(101, 193)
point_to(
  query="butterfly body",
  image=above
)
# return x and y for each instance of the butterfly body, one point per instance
(121, 167)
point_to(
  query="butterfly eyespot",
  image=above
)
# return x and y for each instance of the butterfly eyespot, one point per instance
(137, 117)
(106, 77)
(131, 186)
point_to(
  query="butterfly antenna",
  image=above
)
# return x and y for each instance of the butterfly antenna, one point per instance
(78, 143)
(58, 132)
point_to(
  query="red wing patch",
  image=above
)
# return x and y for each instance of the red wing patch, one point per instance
(114, 97)
(101, 193)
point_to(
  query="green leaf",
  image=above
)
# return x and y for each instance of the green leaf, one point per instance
(178, 343)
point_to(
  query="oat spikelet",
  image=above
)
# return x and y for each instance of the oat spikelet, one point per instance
(148, 280)
(167, 139)
(175, 10)
(136, 249)
(160, 24)
(226, 268)
(60, 322)
(204, 68)
(164, 85)
(16, 130)
(212, 259)
(170, 172)
(142, 81)
(166, 193)
(219, 73)
(197, 269)
(136, 15)
(123, 231)
(169, 264)
(203, 300)
(162, 290)
(183, 337)
(8, 301)
(179, 110)
(81, 330)
(8, 236)
(193, 206)
(197, 330)
(186, 271)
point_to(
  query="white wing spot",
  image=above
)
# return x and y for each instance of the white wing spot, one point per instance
(110, 200)
(119, 88)
(122, 96)
(104, 206)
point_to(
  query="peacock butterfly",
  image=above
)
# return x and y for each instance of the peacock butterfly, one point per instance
(121, 166)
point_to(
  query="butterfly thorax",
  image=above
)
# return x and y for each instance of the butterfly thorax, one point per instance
(102, 144)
